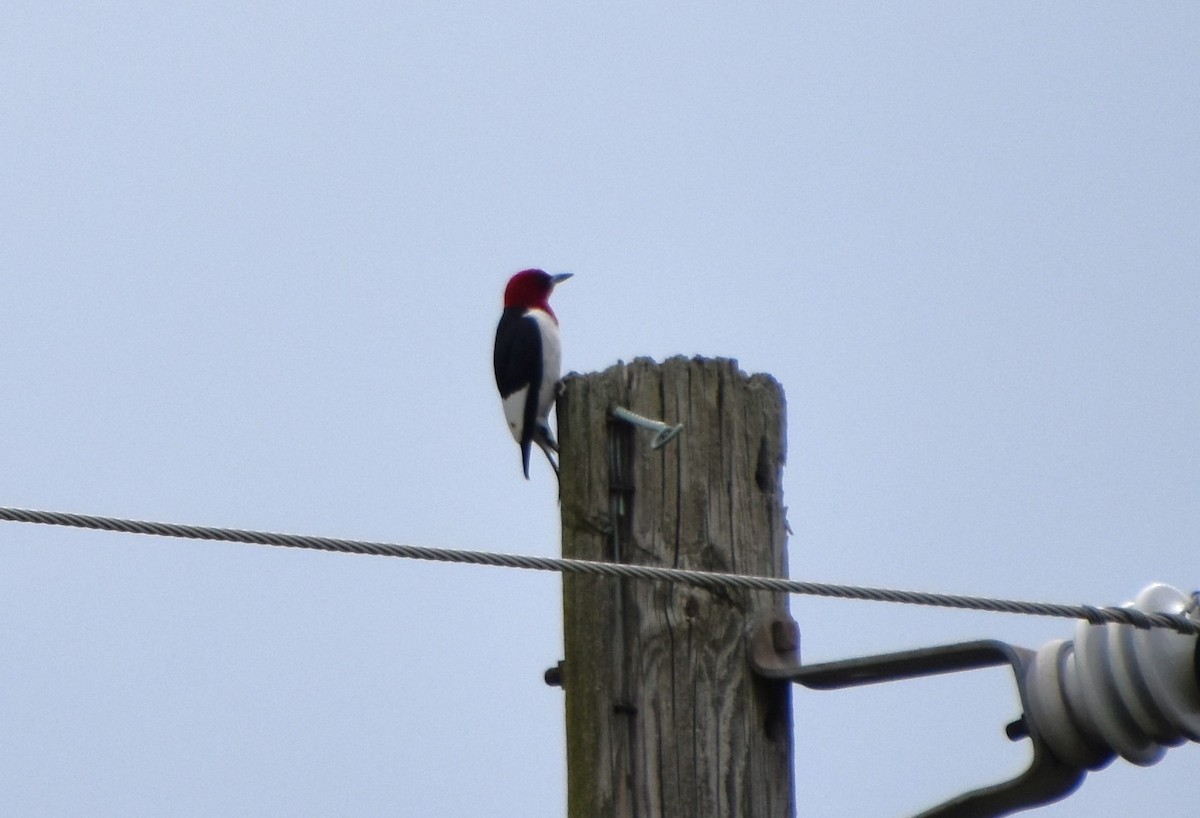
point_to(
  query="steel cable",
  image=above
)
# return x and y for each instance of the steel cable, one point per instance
(701, 579)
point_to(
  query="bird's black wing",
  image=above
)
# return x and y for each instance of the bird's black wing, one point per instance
(517, 360)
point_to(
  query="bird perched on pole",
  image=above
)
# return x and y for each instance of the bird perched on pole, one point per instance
(528, 360)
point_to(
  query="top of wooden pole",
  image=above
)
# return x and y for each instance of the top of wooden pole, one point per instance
(664, 716)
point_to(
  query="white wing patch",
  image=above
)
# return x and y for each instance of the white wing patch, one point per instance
(514, 411)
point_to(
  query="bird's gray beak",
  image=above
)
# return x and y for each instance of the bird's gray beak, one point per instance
(560, 278)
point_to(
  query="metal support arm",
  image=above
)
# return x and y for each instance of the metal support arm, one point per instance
(774, 654)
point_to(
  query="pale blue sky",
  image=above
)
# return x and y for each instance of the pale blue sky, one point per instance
(252, 264)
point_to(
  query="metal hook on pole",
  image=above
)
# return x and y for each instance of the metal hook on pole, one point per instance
(664, 433)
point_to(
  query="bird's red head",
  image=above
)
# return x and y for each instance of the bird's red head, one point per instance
(531, 289)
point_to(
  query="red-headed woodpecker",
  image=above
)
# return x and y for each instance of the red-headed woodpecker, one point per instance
(528, 360)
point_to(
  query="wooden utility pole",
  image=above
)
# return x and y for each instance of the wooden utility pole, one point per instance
(664, 717)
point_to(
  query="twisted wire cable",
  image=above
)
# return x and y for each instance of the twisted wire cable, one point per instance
(702, 579)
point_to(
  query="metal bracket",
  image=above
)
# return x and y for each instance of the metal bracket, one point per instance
(774, 654)
(663, 433)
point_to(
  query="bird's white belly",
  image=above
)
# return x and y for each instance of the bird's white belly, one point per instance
(551, 362)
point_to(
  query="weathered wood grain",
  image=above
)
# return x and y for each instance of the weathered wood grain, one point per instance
(664, 717)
